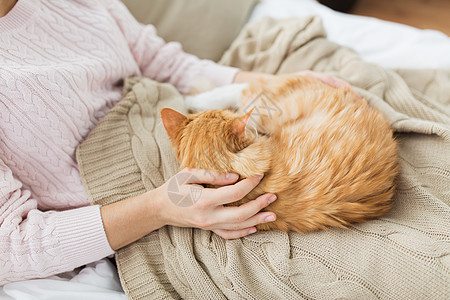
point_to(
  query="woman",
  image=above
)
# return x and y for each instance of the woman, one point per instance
(62, 64)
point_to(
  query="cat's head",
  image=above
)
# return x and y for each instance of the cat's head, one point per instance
(207, 140)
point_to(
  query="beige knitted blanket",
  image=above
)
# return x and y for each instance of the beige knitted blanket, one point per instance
(403, 255)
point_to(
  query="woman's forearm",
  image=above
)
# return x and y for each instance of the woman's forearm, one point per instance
(128, 220)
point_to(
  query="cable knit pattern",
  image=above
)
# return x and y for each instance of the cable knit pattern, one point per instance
(61, 69)
(403, 255)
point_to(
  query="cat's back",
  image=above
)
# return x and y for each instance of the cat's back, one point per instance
(336, 156)
(285, 99)
(334, 133)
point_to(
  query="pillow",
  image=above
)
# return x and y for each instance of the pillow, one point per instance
(205, 28)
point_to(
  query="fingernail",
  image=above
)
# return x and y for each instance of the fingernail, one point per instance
(253, 230)
(270, 218)
(230, 176)
(260, 176)
(272, 198)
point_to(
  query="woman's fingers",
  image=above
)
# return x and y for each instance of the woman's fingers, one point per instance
(200, 176)
(232, 193)
(326, 78)
(209, 211)
(246, 215)
(247, 226)
(260, 218)
(337, 82)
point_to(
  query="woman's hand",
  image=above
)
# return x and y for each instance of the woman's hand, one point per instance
(183, 202)
(325, 78)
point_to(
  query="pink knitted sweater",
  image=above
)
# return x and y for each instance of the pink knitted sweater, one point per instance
(61, 68)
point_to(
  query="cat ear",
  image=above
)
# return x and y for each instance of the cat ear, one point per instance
(172, 120)
(239, 124)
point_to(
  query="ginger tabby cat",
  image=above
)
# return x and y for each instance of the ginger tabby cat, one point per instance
(329, 157)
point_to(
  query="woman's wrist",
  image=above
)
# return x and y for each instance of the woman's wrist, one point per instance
(168, 213)
(130, 219)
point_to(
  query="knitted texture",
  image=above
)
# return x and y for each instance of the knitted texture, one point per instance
(403, 255)
(61, 69)
(125, 155)
(128, 152)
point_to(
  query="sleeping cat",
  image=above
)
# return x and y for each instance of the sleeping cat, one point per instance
(329, 157)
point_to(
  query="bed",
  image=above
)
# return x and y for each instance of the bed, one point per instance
(387, 44)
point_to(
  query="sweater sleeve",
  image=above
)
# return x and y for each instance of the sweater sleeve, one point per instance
(36, 244)
(161, 61)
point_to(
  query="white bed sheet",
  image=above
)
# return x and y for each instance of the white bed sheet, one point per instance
(96, 281)
(385, 43)
(388, 44)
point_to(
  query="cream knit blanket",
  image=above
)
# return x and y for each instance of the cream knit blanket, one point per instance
(403, 255)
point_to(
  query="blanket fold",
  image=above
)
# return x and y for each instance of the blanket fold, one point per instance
(403, 255)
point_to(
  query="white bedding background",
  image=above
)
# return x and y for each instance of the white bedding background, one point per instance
(388, 44)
